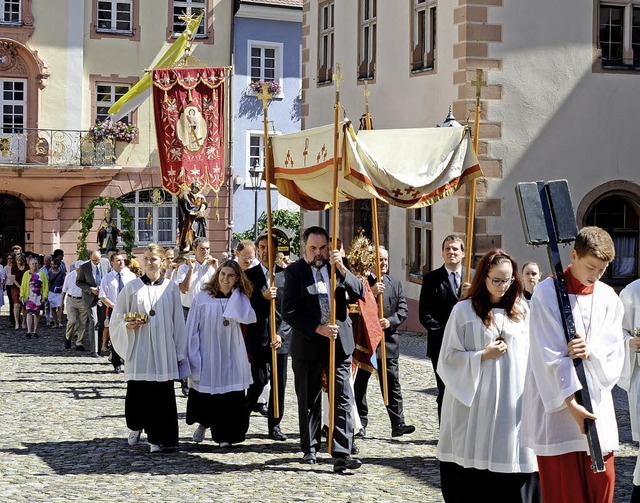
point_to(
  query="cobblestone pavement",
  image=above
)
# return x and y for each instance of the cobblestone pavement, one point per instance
(63, 438)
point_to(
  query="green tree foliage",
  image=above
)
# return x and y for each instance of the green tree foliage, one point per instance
(285, 219)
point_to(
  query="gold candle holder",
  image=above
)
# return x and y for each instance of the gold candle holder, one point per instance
(134, 316)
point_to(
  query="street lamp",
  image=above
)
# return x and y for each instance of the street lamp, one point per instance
(256, 174)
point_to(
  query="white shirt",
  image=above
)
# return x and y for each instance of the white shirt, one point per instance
(630, 379)
(217, 353)
(152, 352)
(481, 413)
(109, 284)
(199, 276)
(547, 424)
(69, 286)
(7, 276)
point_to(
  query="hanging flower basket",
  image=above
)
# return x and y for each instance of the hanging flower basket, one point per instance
(119, 131)
(274, 88)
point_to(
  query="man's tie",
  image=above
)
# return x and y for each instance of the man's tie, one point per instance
(323, 297)
(98, 276)
(120, 283)
(455, 280)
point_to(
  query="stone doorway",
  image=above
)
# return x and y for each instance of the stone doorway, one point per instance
(11, 223)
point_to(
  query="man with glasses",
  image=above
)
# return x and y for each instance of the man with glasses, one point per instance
(441, 290)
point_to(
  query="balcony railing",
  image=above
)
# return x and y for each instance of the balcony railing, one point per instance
(54, 147)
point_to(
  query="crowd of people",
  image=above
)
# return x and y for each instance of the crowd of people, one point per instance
(512, 426)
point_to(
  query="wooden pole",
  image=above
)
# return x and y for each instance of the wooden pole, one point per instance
(337, 78)
(265, 96)
(376, 243)
(479, 84)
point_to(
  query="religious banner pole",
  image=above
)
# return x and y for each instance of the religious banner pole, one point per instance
(264, 96)
(479, 84)
(376, 242)
(337, 78)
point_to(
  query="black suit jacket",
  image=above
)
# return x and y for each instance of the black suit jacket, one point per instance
(301, 310)
(437, 299)
(85, 281)
(258, 335)
(395, 310)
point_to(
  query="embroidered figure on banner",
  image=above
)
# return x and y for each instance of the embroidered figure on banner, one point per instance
(193, 129)
(305, 152)
(288, 160)
(322, 154)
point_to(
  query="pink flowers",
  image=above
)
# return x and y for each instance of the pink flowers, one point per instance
(119, 131)
(274, 88)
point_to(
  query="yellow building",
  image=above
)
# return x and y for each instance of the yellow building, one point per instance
(63, 63)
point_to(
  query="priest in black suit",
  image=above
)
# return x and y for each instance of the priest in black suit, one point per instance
(258, 338)
(441, 290)
(306, 301)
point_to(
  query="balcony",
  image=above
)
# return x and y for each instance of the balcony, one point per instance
(54, 147)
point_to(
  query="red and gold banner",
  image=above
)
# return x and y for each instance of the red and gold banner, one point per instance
(189, 113)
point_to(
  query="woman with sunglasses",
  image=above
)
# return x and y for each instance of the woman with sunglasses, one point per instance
(482, 363)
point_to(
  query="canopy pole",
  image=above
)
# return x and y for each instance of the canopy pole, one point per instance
(264, 96)
(479, 84)
(337, 78)
(376, 243)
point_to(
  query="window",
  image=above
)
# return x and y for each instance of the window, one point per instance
(619, 34)
(106, 96)
(13, 102)
(255, 154)
(115, 16)
(367, 39)
(155, 213)
(194, 7)
(619, 217)
(325, 45)
(419, 251)
(423, 34)
(10, 11)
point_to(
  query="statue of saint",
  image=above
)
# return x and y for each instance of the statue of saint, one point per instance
(107, 232)
(192, 216)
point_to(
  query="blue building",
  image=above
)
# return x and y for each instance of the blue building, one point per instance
(267, 46)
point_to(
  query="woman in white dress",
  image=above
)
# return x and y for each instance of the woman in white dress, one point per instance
(152, 350)
(482, 363)
(220, 371)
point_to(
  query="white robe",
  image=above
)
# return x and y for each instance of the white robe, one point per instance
(548, 427)
(630, 379)
(217, 353)
(152, 352)
(481, 409)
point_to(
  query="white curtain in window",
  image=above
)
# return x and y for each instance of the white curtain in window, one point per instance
(624, 263)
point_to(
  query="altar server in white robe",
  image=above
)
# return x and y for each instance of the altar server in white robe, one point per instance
(483, 362)
(220, 371)
(630, 379)
(553, 423)
(152, 352)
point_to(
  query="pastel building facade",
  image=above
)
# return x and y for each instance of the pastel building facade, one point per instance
(560, 103)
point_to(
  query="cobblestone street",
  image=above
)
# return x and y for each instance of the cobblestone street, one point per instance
(64, 439)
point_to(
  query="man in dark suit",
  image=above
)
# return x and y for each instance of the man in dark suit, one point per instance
(306, 302)
(395, 312)
(441, 290)
(258, 339)
(88, 279)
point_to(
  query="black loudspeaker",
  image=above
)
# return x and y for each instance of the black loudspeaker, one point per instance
(564, 217)
(531, 214)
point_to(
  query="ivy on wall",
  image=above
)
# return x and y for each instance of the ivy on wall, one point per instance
(86, 221)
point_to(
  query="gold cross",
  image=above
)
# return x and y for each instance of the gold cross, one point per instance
(337, 77)
(187, 19)
(478, 83)
(367, 93)
(264, 95)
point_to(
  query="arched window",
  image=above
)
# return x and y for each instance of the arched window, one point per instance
(619, 216)
(155, 216)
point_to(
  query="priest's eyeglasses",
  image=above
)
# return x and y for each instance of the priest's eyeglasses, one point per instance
(501, 282)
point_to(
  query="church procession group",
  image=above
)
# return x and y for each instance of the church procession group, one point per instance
(508, 405)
